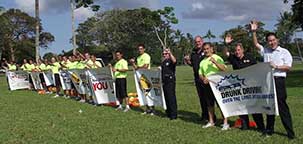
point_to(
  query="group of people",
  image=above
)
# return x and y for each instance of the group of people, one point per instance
(55, 64)
(204, 62)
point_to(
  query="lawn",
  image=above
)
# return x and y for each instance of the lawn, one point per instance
(27, 117)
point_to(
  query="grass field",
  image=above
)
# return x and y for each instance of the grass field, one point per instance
(26, 117)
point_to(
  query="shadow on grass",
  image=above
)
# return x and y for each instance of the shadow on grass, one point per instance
(189, 117)
(294, 78)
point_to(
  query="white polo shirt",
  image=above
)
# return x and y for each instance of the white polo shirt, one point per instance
(279, 56)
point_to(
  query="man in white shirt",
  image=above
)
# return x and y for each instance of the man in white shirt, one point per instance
(281, 60)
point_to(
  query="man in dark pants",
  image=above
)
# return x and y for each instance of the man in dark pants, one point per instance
(194, 60)
(281, 61)
(240, 60)
(168, 70)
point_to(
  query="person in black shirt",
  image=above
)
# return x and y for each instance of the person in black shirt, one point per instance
(240, 60)
(194, 60)
(168, 70)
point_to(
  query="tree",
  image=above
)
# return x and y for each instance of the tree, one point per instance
(123, 30)
(297, 11)
(285, 28)
(75, 4)
(242, 34)
(209, 35)
(17, 35)
(169, 18)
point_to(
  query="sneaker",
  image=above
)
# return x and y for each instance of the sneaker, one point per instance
(144, 113)
(225, 127)
(119, 108)
(208, 125)
(56, 96)
(126, 109)
(152, 113)
(82, 101)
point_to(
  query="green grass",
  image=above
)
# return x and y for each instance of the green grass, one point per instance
(26, 117)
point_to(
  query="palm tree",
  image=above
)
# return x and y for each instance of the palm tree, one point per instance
(37, 29)
(209, 35)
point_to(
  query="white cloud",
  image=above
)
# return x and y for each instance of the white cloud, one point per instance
(235, 10)
(26, 5)
(235, 18)
(83, 13)
(197, 6)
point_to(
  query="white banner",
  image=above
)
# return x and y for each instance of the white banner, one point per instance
(17, 80)
(149, 86)
(65, 80)
(245, 91)
(36, 80)
(101, 85)
(77, 77)
(48, 78)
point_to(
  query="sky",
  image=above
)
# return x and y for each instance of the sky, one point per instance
(195, 16)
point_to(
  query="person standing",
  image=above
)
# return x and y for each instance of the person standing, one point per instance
(281, 61)
(55, 66)
(240, 60)
(211, 64)
(143, 62)
(194, 60)
(168, 70)
(120, 72)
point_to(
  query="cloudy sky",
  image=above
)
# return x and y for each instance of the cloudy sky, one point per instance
(195, 16)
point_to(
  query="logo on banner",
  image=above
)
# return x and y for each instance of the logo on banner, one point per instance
(230, 82)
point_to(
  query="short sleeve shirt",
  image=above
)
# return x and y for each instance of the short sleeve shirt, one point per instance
(121, 64)
(279, 56)
(143, 59)
(55, 68)
(207, 67)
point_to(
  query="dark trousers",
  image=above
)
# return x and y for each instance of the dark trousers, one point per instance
(258, 118)
(283, 109)
(169, 88)
(202, 98)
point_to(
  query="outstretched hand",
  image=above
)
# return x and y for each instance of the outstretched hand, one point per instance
(253, 25)
(228, 38)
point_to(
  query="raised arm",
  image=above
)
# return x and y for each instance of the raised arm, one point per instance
(253, 28)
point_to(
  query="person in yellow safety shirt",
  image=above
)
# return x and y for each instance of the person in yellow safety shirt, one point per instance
(143, 62)
(211, 64)
(95, 64)
(55, 66)
(24, 65)
(120, 72)
(65, 63)
(12, 66)
(42, 67)
(31, 66)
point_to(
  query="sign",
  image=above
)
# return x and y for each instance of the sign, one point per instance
(149, 86)
(17, 80)
(36, 80)
(245, 91)
(101, 85)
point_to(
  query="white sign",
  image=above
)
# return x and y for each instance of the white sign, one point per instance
(149, 87)
(17, 80)
(101, 85)
(245, 91)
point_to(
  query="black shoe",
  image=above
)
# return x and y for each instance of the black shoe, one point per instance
(290, 137)
(267, 133)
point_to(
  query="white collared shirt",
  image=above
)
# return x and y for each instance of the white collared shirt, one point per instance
(279, 56)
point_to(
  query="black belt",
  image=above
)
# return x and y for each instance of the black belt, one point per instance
(279, 77)
(168, 75)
